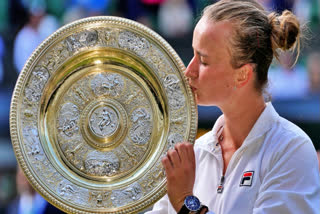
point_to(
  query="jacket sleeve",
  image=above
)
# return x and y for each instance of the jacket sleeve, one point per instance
(161, 207)
(291, 182)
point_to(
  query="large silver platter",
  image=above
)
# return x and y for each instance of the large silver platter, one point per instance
(94, 109)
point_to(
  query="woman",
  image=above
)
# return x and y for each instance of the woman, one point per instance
(253, 160)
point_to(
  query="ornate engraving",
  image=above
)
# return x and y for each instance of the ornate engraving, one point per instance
(88, 38)
(132, 157)
(37, 81)
(139, 115)
(107, 83)
(31, 137)
(73, 43)
(157, 60)
(140, 132)
(67, 190)
(74, 151)
(130, 41)
(77, 41)
(132, 96)
(179, 120)
(55, 57)
(79, 94)
(102, 164)
(173, 139)
(104, 121)
(110, 36)
(28, 113)
(125, 196)
(153, 178)
(175, 95)
(100, 199)
(68, 119)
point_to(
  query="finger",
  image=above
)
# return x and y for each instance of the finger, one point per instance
(182, 151)
(174, 157)
(190, 151)
(166, 163)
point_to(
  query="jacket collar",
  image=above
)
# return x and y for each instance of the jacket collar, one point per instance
(264, 123)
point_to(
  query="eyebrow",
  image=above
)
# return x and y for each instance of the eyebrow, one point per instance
(202, 55)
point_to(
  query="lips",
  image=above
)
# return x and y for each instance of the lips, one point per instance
(193, 89)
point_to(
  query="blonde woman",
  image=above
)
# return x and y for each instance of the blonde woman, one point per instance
(253, 160)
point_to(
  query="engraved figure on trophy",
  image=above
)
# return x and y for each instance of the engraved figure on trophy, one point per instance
(81, 39)
(102, 164)
(175, 95)
(32, 140)
(69, 126)
(38, 80)
(104, 121)
(68, 119)
(158, 61)
(73, 43)
(100, 199)
(89, 37)
(110, 37)
(122, 197)
(140, 131)
(66, 190)
(132, 42)
(107, 84)
(55, 58)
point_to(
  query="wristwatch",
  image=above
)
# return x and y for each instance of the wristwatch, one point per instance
(191, 205)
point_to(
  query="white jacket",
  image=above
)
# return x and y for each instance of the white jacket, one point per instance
(275, 171)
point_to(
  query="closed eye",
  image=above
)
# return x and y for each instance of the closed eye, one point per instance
(203, 63)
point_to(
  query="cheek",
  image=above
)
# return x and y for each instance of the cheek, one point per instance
(215, 79)
(207, 75)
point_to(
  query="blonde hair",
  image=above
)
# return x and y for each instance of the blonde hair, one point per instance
(257, 36)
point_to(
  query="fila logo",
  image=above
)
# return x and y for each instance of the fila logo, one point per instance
(247, 178)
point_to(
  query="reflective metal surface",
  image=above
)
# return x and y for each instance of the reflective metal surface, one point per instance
(95, 108)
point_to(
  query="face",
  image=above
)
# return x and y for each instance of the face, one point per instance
(210, 74)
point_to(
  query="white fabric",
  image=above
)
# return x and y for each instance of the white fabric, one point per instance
(175, 18)
(284, 161)
(25, 43)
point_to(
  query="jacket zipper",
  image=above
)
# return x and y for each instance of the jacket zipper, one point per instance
(233, 159)
(220, 187)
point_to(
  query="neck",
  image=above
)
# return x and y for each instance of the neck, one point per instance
(240, 117)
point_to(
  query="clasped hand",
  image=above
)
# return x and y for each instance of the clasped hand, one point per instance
(179, 164)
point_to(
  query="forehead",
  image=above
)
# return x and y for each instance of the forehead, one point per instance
(210, 35)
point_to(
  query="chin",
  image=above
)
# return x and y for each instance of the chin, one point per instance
(201, 103)
(205, 102)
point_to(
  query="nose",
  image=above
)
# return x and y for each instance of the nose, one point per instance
(192, 70)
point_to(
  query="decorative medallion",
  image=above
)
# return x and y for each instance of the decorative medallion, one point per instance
(94, 109)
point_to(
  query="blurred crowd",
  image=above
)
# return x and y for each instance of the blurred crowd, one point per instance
(24, 24)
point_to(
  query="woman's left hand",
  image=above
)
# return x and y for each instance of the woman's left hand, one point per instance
(180, 169)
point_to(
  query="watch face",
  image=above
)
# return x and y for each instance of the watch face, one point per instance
(192, 203)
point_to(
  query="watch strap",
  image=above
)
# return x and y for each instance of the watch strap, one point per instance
(203, 207)
(184, 210)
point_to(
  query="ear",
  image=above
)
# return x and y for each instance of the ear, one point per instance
(243, 75)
